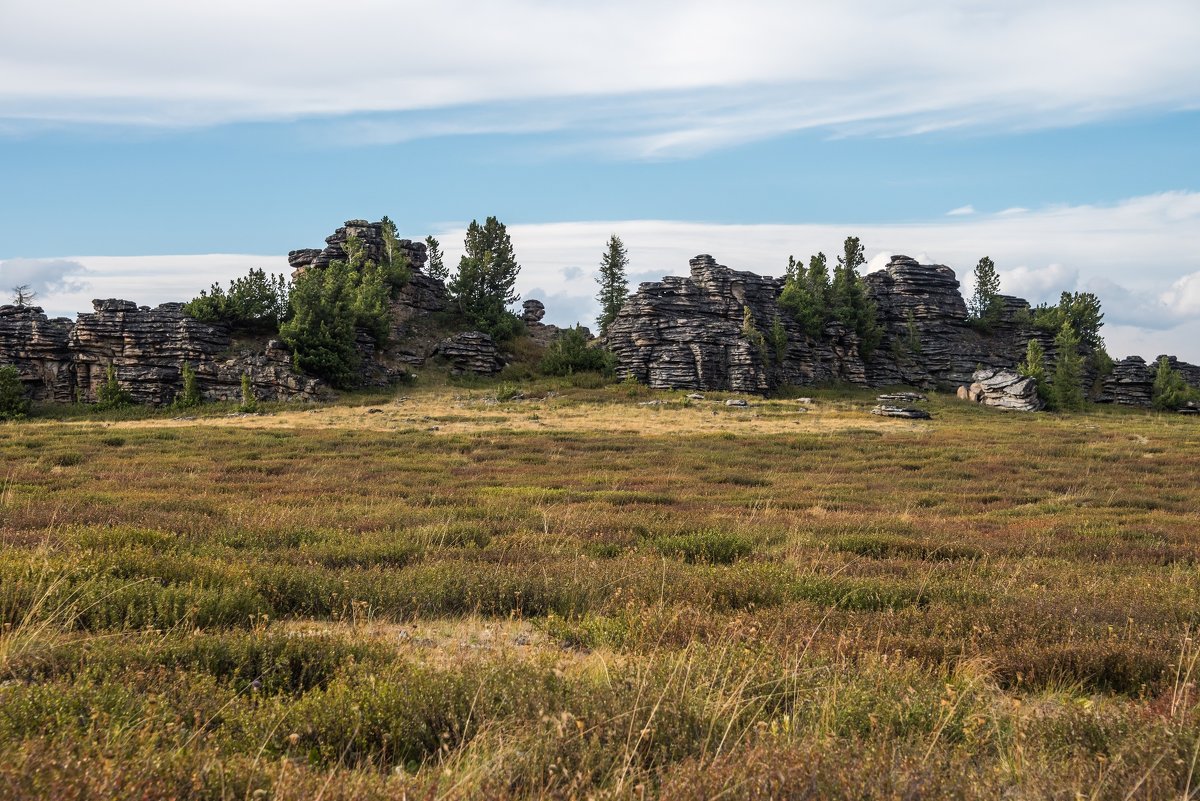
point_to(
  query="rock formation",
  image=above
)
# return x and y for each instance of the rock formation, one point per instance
(1131, 382)
(1003, 389)
(63, 361)
(470, 352)
(686, 333)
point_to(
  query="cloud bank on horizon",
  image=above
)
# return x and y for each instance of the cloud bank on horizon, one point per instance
(1142, 257)
(641, 78)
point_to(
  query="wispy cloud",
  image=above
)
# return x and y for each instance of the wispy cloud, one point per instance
(648, 78)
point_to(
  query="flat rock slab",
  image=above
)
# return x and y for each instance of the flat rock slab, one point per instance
(897, 411)
(902, 397)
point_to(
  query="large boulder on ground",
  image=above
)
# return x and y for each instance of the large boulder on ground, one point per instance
(1004, 389)
(470, 352)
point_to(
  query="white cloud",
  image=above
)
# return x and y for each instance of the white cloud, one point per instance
(1141, 256)
(44, 277)
(650, 77)
(961, 211)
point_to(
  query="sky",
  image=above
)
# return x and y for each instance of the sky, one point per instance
(148, 149)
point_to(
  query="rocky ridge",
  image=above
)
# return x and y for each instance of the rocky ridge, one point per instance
(687, 333)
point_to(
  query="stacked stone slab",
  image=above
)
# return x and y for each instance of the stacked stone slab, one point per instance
(1003, 389)
(62, 361)
(470, 352)
(1131, 382)
(370, 237)
(40, 350)
(687, 333)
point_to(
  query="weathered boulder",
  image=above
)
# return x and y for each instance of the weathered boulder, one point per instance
(1004, 389)
(898, 411)
(470, 352)
(532, 311)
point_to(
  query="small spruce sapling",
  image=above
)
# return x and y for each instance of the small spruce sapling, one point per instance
(249, 402)
(13, 403)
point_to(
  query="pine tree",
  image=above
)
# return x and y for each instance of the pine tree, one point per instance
(190, 396)
(806, 293)
(613, 283)
(986, 306)
(13, 403)
(437, 265)
(850, 302)
(1170, 391)
(1034, 367)
(487, 272)
(1067, 390)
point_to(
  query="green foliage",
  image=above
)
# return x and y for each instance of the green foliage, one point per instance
(612, 280)
(257, 302)
(806, 294)
(190, 396)
(755, 337)
(1081, 310)
(249, 401)
(912, 334)
(1170, 391)
(779, 339)
(483, 285)
(329, 305)
(851, 304)
(986, 305)
(321, 331)
(13, 403)
(111, 395)
(1066, 393)
(436, 266)
(572, 353)
(396, 271)
(1034, 367)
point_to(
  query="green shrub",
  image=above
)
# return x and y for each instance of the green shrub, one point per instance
(572, 353)
(712, 547)
(111, 395)
(190, 396)
(1170, 391)
(249, 402)
(13, 403)
(258, 302)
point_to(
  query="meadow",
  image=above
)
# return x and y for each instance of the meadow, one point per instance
(599, 591)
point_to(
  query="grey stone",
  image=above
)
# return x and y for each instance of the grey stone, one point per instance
(1005, 389)
(897, 411)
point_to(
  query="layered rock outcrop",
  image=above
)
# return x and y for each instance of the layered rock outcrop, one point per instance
(687, 333)
(1131, 382)
(147, 348)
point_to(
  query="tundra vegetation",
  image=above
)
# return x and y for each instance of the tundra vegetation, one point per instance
(577, 594)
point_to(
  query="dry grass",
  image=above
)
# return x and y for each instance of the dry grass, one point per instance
(579, 595)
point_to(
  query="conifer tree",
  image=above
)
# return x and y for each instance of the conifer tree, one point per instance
(986, 307)
(613, 283)
(487, 272)
(850, 302)
(437, 265)
(1034, 367)
(1067, 391)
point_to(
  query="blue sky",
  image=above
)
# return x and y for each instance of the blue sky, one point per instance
(147, 149)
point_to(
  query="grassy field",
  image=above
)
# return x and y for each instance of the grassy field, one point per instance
(586, 594)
